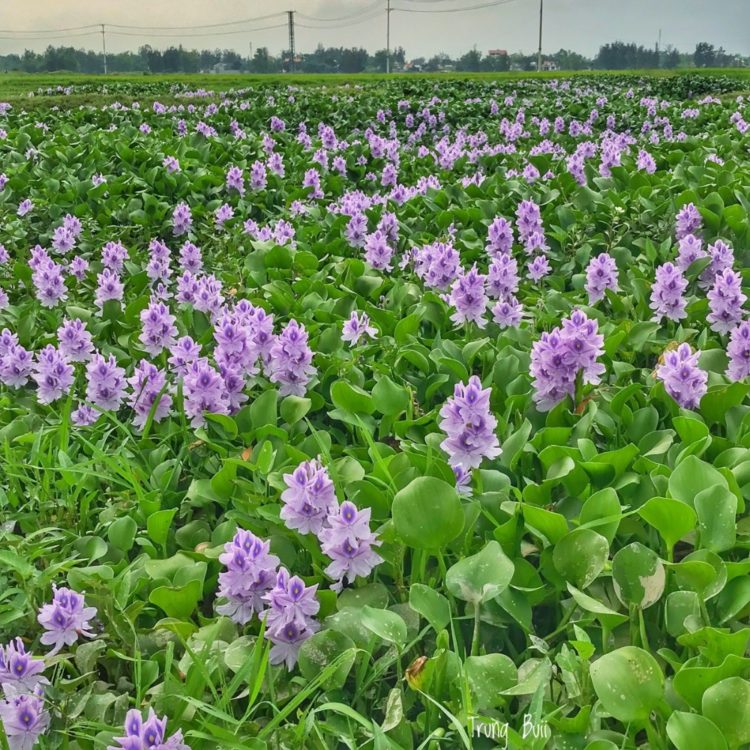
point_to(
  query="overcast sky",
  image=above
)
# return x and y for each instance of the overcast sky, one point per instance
(581, 25)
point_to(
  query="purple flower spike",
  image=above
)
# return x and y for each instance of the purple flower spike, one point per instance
(147, 735)
(65, 619)
(683, 379)
(250, 573)
(468, 422)
(348, 541)
(308, 498)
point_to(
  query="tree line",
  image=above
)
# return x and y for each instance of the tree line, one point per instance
(612, 56)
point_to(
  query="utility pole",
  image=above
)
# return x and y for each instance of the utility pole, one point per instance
(104, 50)
(388, 37)
(541, 21)
(292, 52)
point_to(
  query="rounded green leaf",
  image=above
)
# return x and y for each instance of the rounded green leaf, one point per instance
(638, 575)
(727, 704)
(580, 556)
(628, 683)
(717, 510)
(320, 650)
(431, 604)
(121, 533)
(488, 676)
(427, 513)
(671, 518)
(385, 624)
(480, 577)
(389, 399)
(693, 732)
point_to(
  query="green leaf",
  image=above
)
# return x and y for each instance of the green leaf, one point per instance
(482, 576)
(693, 732)
(385, 624)
(692, 476)
(427, 513)
(717, 510)
(351, 398)
(320, 650)
(178, 601)
(628, 683)
(580, 556)
(673, 519)
(157, 525)
(388, 398)
(727, 704)
(488, 676)
(121, 533)
(638, 575)
(294, 408)
(431, 604)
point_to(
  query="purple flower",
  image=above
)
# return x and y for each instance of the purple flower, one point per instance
(378, 252)
(507, 312)
(258, 176)
(722, 257)
(463, 480)
(191, 258)
(149, 392)
(24, 207)
(667, 300)
(291, 360)
(348, 541)
(75, 342)
(98, 179)
(646, 162)
(183, 353)
(65, 619)
(208, 296)
(78, 267)
(725, 300)
(182, 219)
(499, 237)
(16, 364)
(24, 719)
(250, 573)
(469, 298)
(357, 326)
(738, 350)
(147, 735)
(171, 164)
(223, 214)
(158, 264)
(105, 382)
(158, 329)
(683, 379)
(502, 279)
(114, 255)
(538, 268)
(690, 250)
(49, 282)
(528, 219)
(84, 416)
(204, 391)
(53, 375)
(601, 274)
(688, 221)
(437, 264)
(308, 498)
(235, 180)
(109, 287)
(20, 670)
(469, 425)
(560, 355)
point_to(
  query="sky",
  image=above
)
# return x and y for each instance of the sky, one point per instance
(580, 25)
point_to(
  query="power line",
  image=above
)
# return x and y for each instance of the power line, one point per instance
(177, 35)
(454, 10)
(198, 26)
(361, 11)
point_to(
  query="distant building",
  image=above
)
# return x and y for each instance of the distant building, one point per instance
(498, 53)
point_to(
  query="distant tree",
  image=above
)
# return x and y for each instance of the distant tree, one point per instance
(704, 55)
(471, 61)
(261, 61)
(353, 60)
(671, 58)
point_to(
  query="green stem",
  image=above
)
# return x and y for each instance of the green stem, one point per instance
(475, 637)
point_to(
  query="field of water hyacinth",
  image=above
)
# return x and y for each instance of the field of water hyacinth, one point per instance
(395, 415)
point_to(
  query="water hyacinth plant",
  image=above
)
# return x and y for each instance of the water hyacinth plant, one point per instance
(375, 416)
